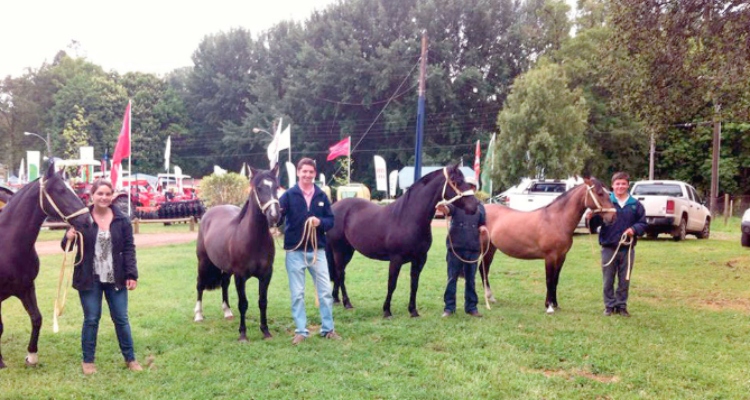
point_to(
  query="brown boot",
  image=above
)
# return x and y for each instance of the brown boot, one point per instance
(88, 368)
(134, 366)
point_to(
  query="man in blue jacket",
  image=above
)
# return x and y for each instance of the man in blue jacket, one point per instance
(618, 242)
(308, 216)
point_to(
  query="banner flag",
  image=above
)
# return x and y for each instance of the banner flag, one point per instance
(122, 149)
(32, 165)
(393, 180)
(381, 174)
(167, 153)
(339, 149)
(292, 173)
(477, 165)
(22, 172)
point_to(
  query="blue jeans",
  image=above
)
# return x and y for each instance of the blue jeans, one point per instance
(455, 266)
(91, 301)
(619, 269)
(295, 268)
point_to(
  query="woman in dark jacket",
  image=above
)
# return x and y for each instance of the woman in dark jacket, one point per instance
(108, 267)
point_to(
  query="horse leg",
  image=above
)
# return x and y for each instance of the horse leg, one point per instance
(393, 270)
(209, 277)
(347, 256)
(2, 364)
(484, 272)
(333, 273)
(29, 303)
(552, 272)
(225, 278)
(239, 283)
(263, 302)
(416, 270)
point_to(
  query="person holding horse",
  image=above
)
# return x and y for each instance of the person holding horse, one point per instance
(464, 251)
(108, 266)
(618, 242)
(308, 215)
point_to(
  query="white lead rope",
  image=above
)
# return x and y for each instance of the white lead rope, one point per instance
(60, 301)
(627, 241)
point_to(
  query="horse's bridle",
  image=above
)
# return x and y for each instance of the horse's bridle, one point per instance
(598, 209)
(267, 204)
(459, 193)
(43, 194)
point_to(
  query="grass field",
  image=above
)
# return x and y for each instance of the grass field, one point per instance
(688, 337)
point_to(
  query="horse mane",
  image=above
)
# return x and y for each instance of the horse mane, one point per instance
(400, 203)
(565, 197)
(20, 193)
(245, 207)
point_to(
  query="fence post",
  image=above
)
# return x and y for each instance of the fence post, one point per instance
(136, 225)
(192, 224)
(727, 211)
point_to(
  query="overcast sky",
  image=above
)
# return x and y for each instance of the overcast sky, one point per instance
(153, 36)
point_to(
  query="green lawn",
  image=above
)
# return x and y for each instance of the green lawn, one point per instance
(688, 337)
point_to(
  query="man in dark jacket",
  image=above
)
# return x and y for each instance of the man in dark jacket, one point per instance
(463, 254)
(308, 215)
(618, 242)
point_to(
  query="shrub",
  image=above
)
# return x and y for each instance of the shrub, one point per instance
(229, 188)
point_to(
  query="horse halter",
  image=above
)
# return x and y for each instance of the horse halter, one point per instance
(598, 209)
(43, 194)
(265, 205)
(459, 193)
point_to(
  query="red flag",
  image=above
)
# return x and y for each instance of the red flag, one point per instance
(339, 149)
(477, 153)
(122, 150)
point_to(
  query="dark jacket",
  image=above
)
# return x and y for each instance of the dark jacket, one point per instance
(632, 215)
(294, 209)
(464, 229)
(123, 253)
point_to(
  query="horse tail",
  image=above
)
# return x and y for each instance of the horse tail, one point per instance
(332, 273)
(209, 275)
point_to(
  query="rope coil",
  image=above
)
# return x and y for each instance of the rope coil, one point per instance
(483, 250)
(60, 301)
(627, 241)
(309, 240)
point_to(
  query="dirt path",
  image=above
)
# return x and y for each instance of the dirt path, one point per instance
(141, 240)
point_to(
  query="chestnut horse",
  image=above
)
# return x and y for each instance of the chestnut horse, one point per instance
(399, 232)
(238, 242)
(545, 233)
(20, 223)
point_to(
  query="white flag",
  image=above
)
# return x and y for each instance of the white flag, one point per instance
(167, 153)
(21, 171)
(273, 147)
(284, 139)
(381, 174)
(178, 178)
(292, 172)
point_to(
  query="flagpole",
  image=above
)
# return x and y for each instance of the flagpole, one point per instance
(130, 153)
(349, 163)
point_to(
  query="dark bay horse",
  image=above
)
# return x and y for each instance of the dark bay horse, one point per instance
(20, 222)
(399, 232)
(545, 233)
(238, 242)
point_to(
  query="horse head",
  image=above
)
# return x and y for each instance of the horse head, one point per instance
(264, 185)
(456, 190)
(57, 198)
(598, 201)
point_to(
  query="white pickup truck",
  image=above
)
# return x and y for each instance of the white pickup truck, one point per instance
(672, 207)
(532, 194)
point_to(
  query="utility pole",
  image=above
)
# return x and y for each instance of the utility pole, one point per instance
(420, 111)
(651, 151)
(715, 158)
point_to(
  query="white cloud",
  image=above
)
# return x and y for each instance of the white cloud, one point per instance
(154, 36)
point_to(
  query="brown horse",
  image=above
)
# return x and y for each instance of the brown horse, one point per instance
(238, 242)
(545, 233)
(399, 232)
(20, 223)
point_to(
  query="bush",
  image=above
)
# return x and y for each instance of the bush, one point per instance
(482, 196)
(229, 188)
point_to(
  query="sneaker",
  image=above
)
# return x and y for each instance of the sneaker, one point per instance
(134, 366)
(332, 335)
(475, 314)
(623, 312)
(298, 339)
(88, 368)
(447, 313)
(608, 311)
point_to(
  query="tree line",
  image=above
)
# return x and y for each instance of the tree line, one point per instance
(565, 93)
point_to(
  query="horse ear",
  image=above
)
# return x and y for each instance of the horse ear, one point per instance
(275, 170)
(50, 170)
(252, 173)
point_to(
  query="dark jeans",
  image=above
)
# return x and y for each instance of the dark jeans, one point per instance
(91, 301)
(618, 268)
(455, 266)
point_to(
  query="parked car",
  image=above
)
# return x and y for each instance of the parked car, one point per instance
(672, 207)
(745, 227)
(532, 194)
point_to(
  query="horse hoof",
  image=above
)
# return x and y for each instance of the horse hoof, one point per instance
(267, 336)
(2, 364)
(348, 306)
(550, 309)
(32, 360)
(243, 339)
(387, 315)
(336, 301)
(229, 317)
(492, 299)
(198, 318)
(415, 314)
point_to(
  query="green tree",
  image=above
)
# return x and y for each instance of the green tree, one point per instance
(74, 134)
(541, 128)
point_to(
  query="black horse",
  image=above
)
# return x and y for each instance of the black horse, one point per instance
(238, 242)
(20, 223)
(399, 232)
